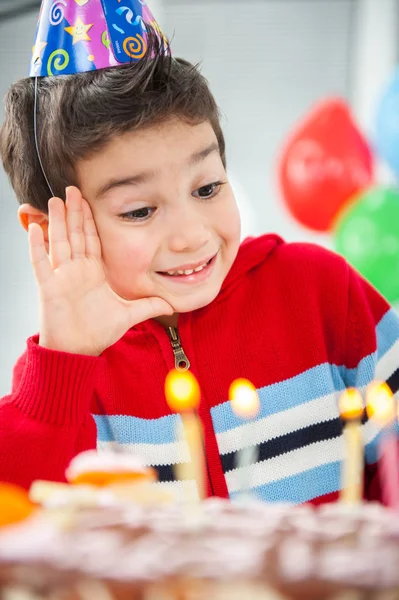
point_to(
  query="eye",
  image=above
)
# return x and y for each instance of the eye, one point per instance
(141, 214)
(208, 191)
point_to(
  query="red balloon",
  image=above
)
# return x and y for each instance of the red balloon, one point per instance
(325, 162)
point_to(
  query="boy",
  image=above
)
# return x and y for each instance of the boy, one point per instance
(140, 270)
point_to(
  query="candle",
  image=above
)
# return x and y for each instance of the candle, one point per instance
(245, 404)
(381, 409)
(351, 411)
(183, 396)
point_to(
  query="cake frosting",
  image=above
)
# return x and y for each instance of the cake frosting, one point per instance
(124, 540)
(112, 465)
(299, 552)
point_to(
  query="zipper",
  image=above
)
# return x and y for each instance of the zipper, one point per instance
(181, 361)
(183, 364)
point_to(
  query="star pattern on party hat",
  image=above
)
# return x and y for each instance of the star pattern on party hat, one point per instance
(74, 36)
(37, 51)
(79, 31)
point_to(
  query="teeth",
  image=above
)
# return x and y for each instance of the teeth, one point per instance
(188, 271)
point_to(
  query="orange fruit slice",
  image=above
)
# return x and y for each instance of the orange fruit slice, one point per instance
(15, 505)
(104, 478)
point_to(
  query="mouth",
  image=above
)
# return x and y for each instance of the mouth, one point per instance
(195, 273)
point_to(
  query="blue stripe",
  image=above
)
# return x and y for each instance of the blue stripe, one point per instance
(387, 332)
(361, 375)
(132, 430)
(318, 381)
(301, 487)
(311, 384)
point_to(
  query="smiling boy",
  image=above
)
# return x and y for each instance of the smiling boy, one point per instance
(167, 185)
(139, 269)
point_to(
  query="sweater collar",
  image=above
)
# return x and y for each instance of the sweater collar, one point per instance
(252, 252)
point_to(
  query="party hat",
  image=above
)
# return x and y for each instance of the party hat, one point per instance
(74, 36)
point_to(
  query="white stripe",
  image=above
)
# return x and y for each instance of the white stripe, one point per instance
(370, 431)
(291, 463)
(155, 454)
(315, 411)
(388, 363)
(181, 489)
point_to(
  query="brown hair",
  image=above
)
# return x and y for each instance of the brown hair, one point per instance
(79, 114)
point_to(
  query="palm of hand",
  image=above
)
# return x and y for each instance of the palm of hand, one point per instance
(79, 311)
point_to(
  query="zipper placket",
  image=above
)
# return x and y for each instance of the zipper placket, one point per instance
(181, 361)
(183, 364)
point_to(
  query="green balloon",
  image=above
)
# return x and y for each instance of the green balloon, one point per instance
(367, 235)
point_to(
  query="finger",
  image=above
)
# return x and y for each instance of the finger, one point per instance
(92, 241)
(148, 308)
(38, 255)
(74, 220)
(59, 247)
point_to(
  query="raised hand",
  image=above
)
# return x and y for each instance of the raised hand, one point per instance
(79, 312)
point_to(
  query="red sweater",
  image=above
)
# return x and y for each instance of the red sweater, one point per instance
(294, 319)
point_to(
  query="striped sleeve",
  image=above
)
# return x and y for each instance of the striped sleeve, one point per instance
(372, 354)
(372, 337)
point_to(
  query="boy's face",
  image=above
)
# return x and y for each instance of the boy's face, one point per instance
(162, 205)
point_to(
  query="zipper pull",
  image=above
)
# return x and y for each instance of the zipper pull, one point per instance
(181, 361)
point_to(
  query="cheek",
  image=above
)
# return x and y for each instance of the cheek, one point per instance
(230, 222)
(125, 252)
(126, 260)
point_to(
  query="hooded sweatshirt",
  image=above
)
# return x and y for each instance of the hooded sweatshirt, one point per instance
(294, 319)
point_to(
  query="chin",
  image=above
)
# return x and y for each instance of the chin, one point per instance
(191, 304)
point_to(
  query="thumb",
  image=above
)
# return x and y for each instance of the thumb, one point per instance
(148, 308)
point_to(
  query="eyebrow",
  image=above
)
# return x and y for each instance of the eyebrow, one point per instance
(140, 178)
(198, 157)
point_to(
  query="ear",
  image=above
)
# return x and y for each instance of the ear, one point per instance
(28, 214)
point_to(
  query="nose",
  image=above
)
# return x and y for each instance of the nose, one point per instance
(188, 233)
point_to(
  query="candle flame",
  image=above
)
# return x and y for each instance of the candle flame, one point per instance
(351, 405)
(182, 391)
(380, 403)
(244, 399)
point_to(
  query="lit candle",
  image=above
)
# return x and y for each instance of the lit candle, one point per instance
(351, 410)
(381, 409)
(183, 396)
(245, 404)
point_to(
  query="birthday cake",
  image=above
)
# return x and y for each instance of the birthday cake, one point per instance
(90, 541)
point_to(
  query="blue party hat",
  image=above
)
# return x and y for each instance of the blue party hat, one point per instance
(75, 36)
